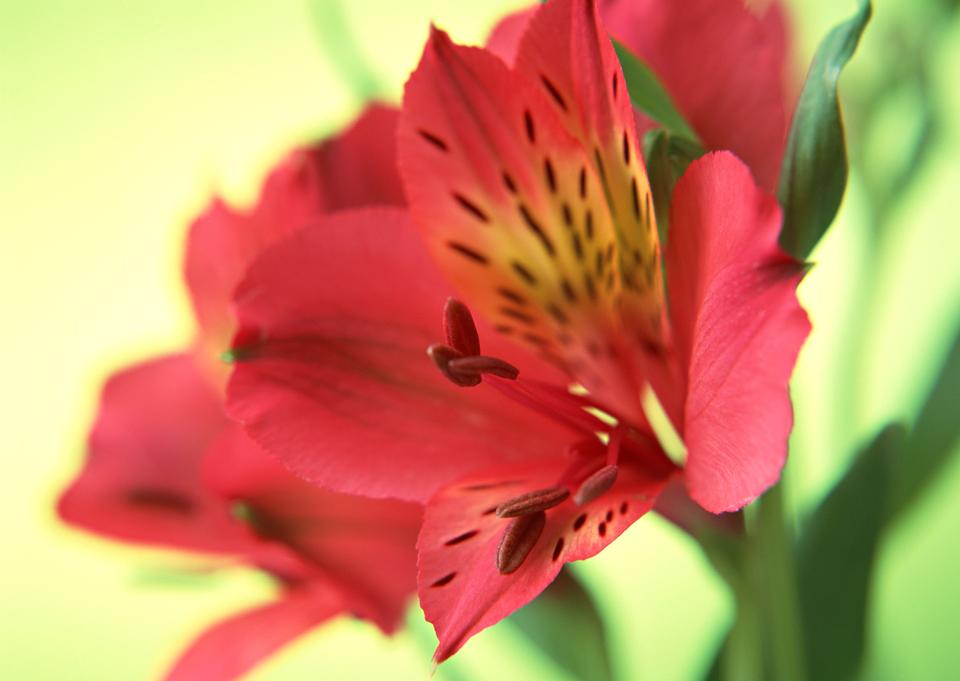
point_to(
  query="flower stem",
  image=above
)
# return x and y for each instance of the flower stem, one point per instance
(772, 560)
(343, 50)
(766, 640)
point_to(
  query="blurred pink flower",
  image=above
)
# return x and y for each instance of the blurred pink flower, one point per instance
(165, 466)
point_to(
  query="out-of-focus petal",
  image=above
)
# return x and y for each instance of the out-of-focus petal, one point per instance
(231, 648)
(504, 39)
(724, 64)
(738, 328)
(363, 547)
(141, 481)
(332, 374)
(356, 168)
(223, 241)
(359, 167)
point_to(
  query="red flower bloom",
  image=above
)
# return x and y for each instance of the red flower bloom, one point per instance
(725, 65)
(166, 467)
(529, 191)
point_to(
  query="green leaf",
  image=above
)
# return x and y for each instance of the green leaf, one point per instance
(667, 157)
(836, 558)
(772, 580)
(715, 671)
(838, 549)
(814, 172)
(934, 438)
(649, 95)
(565, 624)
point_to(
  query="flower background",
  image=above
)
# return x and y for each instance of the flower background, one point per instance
(117, 120)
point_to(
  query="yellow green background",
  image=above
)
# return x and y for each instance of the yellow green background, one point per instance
(118, 120)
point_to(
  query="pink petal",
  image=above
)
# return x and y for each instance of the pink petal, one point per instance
(141, 481)
(504, 39)
(359, 167)
(356, 168)
(738, 328)
(236, 645)
(334, 378)
(364, 547)
(725, 65)
(461, 589)
(223, 241)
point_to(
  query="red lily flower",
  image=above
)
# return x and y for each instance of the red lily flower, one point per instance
(528, 188)
(725, 65)
(165, 466)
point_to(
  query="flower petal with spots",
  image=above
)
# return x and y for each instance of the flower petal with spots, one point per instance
(462, 591)
(566, 50)
(512, 207)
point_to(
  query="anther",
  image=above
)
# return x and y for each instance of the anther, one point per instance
(533, 502)
(518, 540)
(459, 329)
(481, 364)
(596, 485)
(442, 355)
(467, 371)
(459, 359)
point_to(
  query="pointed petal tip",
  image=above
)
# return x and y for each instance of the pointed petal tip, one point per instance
(438, 38)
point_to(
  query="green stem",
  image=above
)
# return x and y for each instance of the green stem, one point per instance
(773, 558)
(766, 641)
(344, 51)
(742, 656)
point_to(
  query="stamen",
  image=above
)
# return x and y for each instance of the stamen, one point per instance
(482, 364)
(613, 447)
(518, 540)
(459, 360)
(596, 485)
(459, 329)
(533, 502)
(442, 355)
(564, 409)
(467, 371)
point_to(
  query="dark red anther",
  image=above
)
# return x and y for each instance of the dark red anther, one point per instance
(518, 540)
(596, 485)
(442, 355)
(484, 365)
(459, 359)
(459, 329)
(533, 502)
